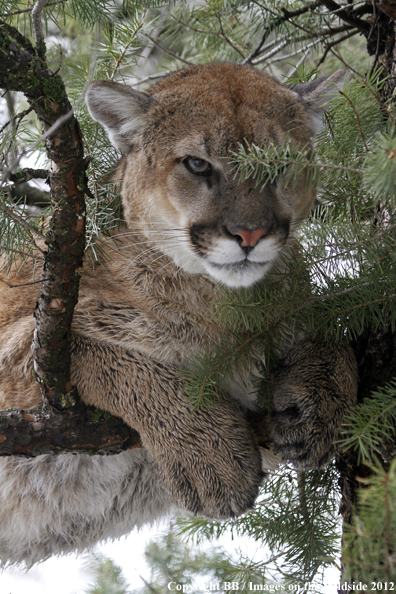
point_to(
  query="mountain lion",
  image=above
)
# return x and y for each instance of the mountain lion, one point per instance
(147, 310)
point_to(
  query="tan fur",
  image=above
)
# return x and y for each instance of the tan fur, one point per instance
(147, 309)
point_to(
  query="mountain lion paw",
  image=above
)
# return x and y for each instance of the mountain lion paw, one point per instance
(219, 492)
(211, 465)
(313, 388)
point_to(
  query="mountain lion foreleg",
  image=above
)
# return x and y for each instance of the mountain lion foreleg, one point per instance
(313, 388)
(207, 458)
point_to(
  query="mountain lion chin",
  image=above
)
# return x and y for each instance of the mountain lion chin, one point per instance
(240, 275)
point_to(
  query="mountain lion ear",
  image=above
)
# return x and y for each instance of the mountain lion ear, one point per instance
(315, 96)
(119, 109)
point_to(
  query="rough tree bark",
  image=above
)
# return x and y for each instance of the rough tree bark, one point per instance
(23, 68)
(78, 428)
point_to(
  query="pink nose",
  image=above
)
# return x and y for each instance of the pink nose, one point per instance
(250, 238)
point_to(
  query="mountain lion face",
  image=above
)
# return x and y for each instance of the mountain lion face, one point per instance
(180, 187)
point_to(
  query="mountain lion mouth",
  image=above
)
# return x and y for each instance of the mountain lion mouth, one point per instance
(240, 266)
(227, 262)
(239, 274)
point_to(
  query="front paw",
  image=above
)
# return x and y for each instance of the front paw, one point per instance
(212, 465)
(218, 492)
(313, 388)
(305, 445)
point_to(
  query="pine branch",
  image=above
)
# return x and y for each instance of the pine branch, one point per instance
(286, 16)
(23, 255)
(23, 69)
(167, 51)
(19, 220)
(38, 28)
(13, 120)
(78, 428)
(357, 119)
(349, 16)
(226, 38)
(317, 37)
(344, 63)
(330, 45)
(24, 11)
(27, 174)
(371, 424)
(151, 77)
(376, 354)
(292, 54)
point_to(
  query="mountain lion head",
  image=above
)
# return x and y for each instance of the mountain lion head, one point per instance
(179, 187)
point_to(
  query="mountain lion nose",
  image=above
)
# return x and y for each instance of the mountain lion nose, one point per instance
(250, 238)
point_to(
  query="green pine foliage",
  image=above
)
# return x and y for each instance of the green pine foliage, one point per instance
(107, 575)
(370, 543)
(295, 520)
(370, 427)
(172, 560)
(343, 281)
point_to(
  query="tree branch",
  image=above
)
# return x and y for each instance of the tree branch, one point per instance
(330, 45)
(151, 77)
(286, 16)
(23, 69)
(30, 195)
(167, 51)
(25, 175)
(348, 16)
(25, 10)
(376, 355)
(13, 120)
(38, 27)
(76, 429)
(16, 218)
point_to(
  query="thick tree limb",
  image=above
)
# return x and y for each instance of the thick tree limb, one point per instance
(25, 191)
(38, 27)
(23, 68)
(387, 32)
(76, 429)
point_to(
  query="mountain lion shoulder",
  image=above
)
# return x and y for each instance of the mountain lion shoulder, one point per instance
(147, 310)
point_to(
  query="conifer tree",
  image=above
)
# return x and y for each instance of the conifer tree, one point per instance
(50, 49)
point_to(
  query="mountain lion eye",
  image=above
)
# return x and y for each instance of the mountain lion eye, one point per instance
(198, 166)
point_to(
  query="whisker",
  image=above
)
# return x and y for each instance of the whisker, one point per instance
(133, 232)
(179, 267)
(154, 249)
(169, 263)
(168, 242)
